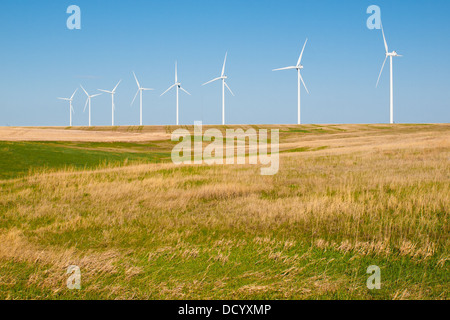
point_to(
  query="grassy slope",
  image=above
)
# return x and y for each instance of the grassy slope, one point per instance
(160, 231)
(18, 158)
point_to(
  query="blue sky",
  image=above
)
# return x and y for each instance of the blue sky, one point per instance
(40, 60)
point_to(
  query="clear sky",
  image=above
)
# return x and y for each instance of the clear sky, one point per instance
(40, 60)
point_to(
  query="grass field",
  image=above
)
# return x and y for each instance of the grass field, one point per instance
(22, 158)
(139, 227)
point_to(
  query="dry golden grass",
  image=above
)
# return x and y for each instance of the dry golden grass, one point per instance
(134, 134)
(372, 196)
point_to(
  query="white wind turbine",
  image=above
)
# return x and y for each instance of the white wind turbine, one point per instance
(113, 92)
(222, 77)
(298, 67)
(390, 55)
(70, 105)
(178, 86)
(140, 89)
(88, 100)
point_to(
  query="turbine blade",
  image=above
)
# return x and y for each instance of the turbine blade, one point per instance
(167, 90)
(87, 100)
(176, 71)
(74, 93)
(71, 108)
(384, 39)
(224, 63)
(286, 68)
(226, 85)
(84, 90)
(212, 81)
(382, 67)
(135, 97)
(301, 54)
(185, 91)
(301, 78)
(96, 95)
(65, 99)
(106, 91)
(139, 86)
(147, 89)
(114, 90)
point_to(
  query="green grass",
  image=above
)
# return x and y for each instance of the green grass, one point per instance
(304, 149)
(19, 158)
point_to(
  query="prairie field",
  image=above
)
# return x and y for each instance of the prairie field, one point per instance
(110, 201)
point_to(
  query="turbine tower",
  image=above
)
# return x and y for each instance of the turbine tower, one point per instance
(140, 89)
(88, 100)
(113, 92)
(389, 55)
(178, 86)
(298, 67)
(70, 105)
(222, 77)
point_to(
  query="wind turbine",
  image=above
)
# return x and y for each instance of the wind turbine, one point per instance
(88, 100)
(140, 89)
(178, 86)
(113, 92)
(298, 67)
(222, 77)
(389, 55)
(70, 104)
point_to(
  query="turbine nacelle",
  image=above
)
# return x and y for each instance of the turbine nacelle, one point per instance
(393, 54)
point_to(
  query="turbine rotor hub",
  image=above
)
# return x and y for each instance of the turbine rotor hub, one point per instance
(392, 54)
